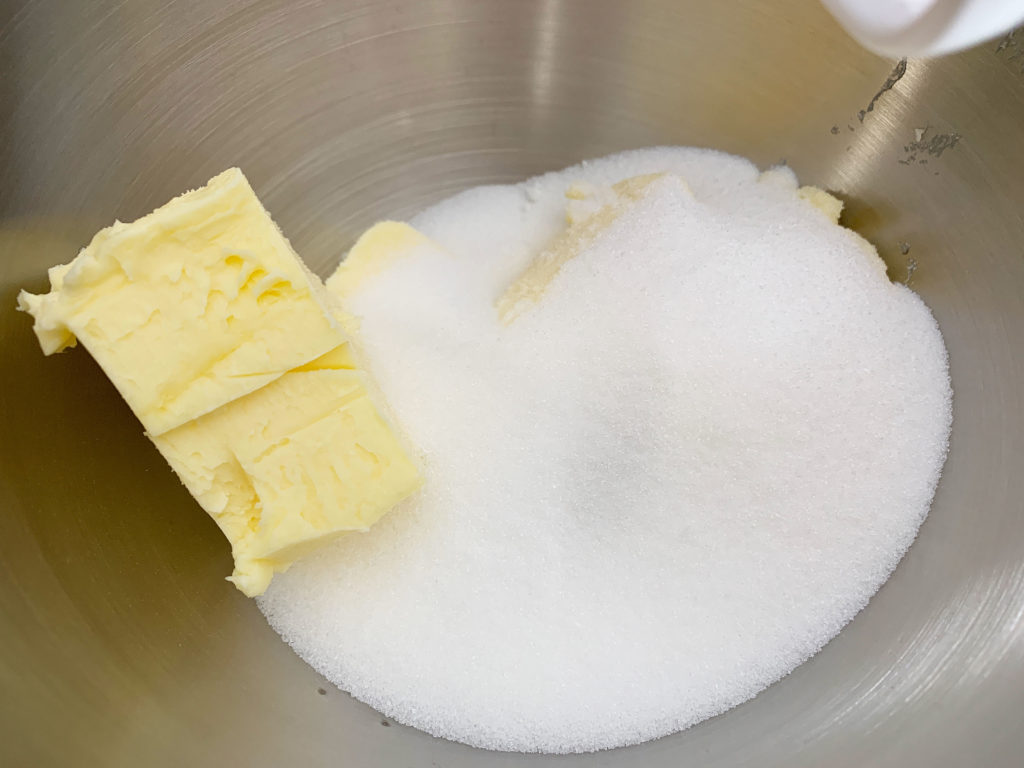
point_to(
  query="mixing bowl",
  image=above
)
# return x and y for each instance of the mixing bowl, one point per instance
(121, 644)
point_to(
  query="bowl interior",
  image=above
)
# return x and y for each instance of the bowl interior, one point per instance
(124, 646)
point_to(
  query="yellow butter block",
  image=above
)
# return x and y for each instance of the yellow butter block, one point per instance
(232, 355)
(375, 250)
(292, 465)
(197, 304)
(782, 177)
(830, 205)
(590, 210)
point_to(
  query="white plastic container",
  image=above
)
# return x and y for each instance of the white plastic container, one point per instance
(925, 27)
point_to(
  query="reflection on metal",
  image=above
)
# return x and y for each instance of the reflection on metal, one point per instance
(544, 54)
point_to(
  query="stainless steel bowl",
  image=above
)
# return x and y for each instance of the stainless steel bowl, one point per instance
(121, 645)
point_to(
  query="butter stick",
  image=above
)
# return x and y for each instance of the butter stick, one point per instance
(230, 353)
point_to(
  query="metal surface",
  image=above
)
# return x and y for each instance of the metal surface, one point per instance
(120, 645)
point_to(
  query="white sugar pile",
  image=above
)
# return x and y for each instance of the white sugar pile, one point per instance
(659, 490)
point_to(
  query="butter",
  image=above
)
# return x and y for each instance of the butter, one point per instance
(292, 465)
(186, 309)
(829, 205)
(375, 250)
(591, 209)
(234, 358)
(783, 177)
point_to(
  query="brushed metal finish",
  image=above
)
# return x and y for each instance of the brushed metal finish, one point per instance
(120, 645)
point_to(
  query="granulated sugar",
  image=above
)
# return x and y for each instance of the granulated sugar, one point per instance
(659, 490)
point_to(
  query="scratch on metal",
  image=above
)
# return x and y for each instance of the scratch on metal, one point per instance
(894, 77)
